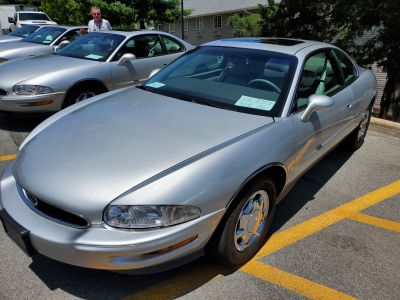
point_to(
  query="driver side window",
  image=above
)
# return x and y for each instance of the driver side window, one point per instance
(319, 77)
(141, 46)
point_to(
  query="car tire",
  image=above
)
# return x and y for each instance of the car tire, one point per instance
(80, 93)
(244, 229)
(357, 137)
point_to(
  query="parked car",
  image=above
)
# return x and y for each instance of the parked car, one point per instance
(96, 63)
(39, 42)
(29, 17)
(195, 159)
(19, 34)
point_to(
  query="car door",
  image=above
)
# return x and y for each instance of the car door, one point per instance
(150, 54)
(325, 128)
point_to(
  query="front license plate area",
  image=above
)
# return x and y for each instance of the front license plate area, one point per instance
(17, 233)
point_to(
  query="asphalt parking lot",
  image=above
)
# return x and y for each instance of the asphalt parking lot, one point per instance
(335, 236)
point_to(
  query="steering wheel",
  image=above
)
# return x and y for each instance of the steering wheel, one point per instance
(259, 82)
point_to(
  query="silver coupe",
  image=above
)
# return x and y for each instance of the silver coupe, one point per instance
(147, 178)
(19, 34)
(42, 41)
(95, 63)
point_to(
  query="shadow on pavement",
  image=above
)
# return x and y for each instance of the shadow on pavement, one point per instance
(21, 122)
(85, 283)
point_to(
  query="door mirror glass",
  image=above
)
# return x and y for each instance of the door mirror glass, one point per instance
(126, 58)
(316, 102)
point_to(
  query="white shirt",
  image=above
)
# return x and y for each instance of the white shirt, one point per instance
(101, 26)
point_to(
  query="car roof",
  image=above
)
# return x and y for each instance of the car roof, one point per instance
(283, 45)
(138, 31)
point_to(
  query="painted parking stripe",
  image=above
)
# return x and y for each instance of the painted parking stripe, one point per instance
(313, 225)
(8, 157)
(276, 242)
(374, 221)
(292, 282)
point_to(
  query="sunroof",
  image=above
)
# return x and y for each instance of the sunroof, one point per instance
(273, 41)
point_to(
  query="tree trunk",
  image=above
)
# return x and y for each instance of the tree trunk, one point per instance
(390, 102)
(142, 24)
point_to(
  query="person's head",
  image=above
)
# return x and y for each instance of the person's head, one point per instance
(96, 13)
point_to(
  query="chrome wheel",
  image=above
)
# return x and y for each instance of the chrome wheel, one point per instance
(252, 220)
(84, 95)
(362, 131)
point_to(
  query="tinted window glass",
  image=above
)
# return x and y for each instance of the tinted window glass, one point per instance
(319, 77)
(33, 16)
(94, 46)
(245, 80)
(45, 35)
(348, 69)
(171, 45)
(24, 31)
(141, 46)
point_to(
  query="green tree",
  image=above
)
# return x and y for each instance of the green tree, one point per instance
(248, 25)
(346, 24)
(157, 11)
(65, 12)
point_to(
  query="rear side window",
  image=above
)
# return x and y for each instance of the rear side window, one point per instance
(347, 67)
(171, 45)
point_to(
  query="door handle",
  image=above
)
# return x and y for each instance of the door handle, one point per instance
(348, 106)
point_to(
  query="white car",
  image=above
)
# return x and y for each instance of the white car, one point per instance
(29, 17)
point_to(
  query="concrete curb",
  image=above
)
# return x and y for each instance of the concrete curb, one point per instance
(385, 123)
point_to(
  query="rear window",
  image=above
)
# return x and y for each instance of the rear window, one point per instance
(33, 16)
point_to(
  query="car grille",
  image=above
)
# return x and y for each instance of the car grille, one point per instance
(3, 92)
(53, 213)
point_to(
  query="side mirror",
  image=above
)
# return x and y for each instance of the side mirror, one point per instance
(316, 102)
(125, 58)
(10, 20)
(63, 44)
(154, 72)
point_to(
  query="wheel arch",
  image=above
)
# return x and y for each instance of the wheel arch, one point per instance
(277, 172)
(93, 82)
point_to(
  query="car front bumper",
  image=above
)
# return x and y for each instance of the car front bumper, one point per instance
(36, 103)
(103, 247)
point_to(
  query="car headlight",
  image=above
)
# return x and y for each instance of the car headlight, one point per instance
(28, 89)
(149, 216)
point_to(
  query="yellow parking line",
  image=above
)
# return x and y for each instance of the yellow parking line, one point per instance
(292, 282)
(7, 157)
(378, 222)
(190, 280)
(311, 226)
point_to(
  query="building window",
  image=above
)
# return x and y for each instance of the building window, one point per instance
(171, 27)
(185, 25)
(199, 24)
(217, 21)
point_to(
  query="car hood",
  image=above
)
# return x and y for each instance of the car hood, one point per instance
(20, 70)
(7, 38)
(17, 49)
(90, 156)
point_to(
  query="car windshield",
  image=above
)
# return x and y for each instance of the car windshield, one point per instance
(93, 46)
(245, 80)
(33, 16)
(45, 35)
(24, 31)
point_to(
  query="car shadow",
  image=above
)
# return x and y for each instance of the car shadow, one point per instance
(15, 122)
(86, 283)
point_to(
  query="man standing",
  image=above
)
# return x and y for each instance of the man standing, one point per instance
(98, 23)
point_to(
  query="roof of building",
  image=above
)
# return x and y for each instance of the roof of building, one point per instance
(203, 8)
